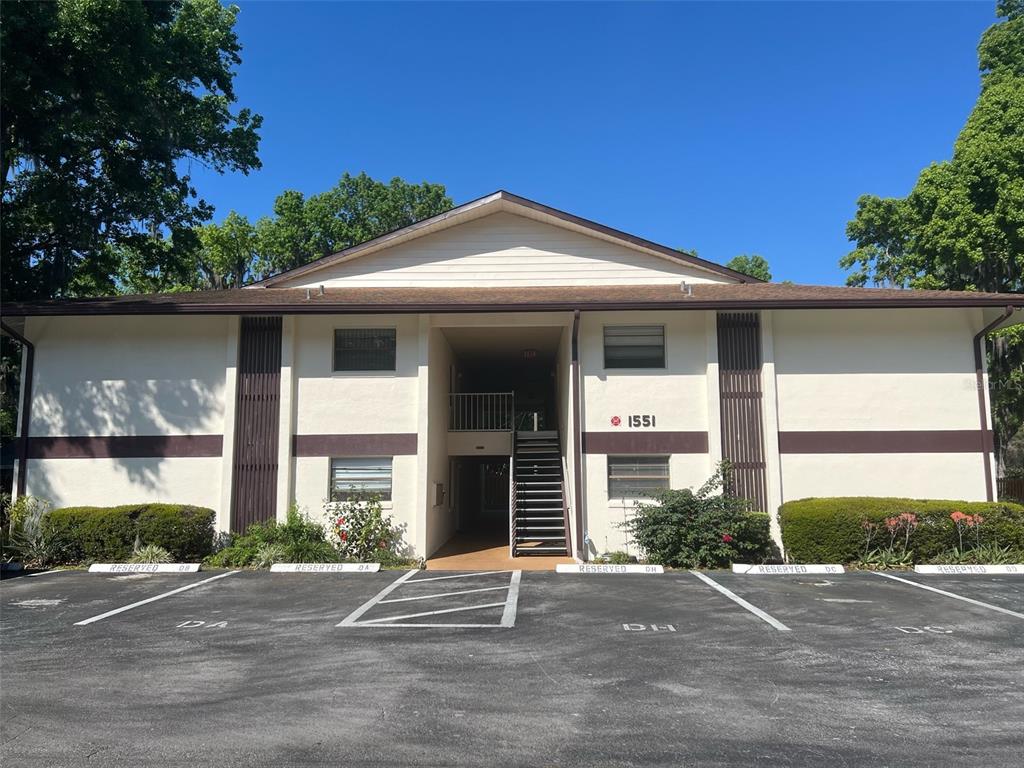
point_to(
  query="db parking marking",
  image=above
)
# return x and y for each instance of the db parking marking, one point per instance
(116, 611)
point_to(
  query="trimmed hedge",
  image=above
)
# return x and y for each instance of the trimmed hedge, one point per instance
(83, 534)
(830, 530)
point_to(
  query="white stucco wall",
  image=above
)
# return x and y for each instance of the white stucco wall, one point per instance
(440, 518)
(108, 376)
(878, 370)
(677, 396)
(329, 403)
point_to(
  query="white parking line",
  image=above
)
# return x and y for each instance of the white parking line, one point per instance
(970, 600)
(350, 620)
(436, 613)
(457, 576)
(151, 599)
(508, 616)
(741, 602)
(443, 594)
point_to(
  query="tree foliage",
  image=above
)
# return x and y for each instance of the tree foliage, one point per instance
(753, 265)
(962, 225)
(105, 106)
(356, 209)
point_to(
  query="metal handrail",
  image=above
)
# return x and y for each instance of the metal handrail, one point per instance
(512, 498)
(481, 411)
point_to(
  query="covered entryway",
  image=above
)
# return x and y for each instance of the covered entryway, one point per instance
(505, 457)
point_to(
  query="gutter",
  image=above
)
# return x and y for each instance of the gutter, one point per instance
(577, 432)
(313, 307)
(983, 411)
(26, 403)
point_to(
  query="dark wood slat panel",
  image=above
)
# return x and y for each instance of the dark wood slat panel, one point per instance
(739, 372)
(254, 477)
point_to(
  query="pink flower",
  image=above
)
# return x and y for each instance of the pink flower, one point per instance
(726, 538)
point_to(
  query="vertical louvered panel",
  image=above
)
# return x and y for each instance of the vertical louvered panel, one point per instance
(739, 372)
(254, 483)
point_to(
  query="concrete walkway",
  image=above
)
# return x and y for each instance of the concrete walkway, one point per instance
(465, 552)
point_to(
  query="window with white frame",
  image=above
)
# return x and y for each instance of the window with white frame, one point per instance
(361, 475)
(364, 349)
(634, 346)
(634, 477)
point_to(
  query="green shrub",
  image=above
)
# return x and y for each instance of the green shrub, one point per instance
(297, 540)
(831, 530)
(363, 531)
(151, 553)
(688, 529)
(110, 533)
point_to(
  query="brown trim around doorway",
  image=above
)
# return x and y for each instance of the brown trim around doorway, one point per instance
(891, 441)
(398, 444)
(645, 442)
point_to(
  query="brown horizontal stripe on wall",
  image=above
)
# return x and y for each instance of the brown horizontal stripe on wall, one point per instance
(893, 441)
(645, 442)
(398, 444)
(125, 447)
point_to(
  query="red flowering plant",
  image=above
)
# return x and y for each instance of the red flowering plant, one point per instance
(364, 532)
(965, 523)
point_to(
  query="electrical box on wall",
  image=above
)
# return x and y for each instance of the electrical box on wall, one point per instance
(438, 494)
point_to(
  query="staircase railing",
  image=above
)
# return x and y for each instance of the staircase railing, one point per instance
(512, 497)
(564, 468)
(481, 411)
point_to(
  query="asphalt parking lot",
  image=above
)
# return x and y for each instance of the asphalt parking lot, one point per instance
(535, 668)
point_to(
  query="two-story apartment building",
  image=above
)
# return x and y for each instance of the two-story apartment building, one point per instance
(509, 368)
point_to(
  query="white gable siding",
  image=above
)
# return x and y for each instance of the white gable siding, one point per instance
(504, 250)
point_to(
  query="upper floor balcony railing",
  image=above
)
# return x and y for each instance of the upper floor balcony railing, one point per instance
(481, 411)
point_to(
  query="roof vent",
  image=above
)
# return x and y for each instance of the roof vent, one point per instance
(686, 288)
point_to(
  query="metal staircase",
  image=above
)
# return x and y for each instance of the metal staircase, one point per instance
(539, 512)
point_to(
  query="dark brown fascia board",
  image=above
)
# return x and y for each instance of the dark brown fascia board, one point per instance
(500, 195)
(322, 308)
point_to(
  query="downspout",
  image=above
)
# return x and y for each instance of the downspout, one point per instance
(577, 431)
(26, 403)
(979, 375)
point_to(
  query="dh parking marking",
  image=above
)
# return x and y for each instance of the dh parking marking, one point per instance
(741, 602)
(151, 599)
(509, 604)
(970, 600)
(651, 627)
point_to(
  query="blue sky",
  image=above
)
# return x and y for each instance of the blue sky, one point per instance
(726, 127)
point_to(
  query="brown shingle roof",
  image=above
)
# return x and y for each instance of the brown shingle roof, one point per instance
(541, 298)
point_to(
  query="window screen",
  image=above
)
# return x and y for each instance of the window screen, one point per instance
(364, 349)
(634, 346)
(632, 477)
(362, 475)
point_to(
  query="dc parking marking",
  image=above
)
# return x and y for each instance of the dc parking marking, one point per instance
(741, 602)
(116, 611)
(943, 592)
(509, 604)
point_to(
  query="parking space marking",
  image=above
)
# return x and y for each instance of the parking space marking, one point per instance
(970, 600)
(436, 613)
(458, 576)
(442, 594)
(509, 604)
(508, 616)
(350, 620)
(151, 599)
(741, 602)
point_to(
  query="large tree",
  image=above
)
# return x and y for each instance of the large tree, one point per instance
(356, 209)
(962, 225)
(106, 104)
(753, 265)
